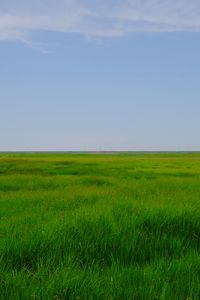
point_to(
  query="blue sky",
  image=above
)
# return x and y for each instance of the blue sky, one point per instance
(99, 75)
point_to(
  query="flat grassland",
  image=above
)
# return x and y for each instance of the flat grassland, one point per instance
(100, 226)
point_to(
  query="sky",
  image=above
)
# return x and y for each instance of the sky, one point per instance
(90, 75)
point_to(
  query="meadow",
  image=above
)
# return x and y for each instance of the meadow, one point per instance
(100, 226)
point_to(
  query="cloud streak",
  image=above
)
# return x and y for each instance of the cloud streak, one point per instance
(96, 18)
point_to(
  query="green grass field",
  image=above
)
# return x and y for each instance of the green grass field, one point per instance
(100, 226)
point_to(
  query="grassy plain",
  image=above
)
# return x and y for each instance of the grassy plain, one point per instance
(106, 226)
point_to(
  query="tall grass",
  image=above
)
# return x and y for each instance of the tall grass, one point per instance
(124, 226)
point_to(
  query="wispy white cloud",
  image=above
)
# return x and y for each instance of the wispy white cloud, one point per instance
(96, 18)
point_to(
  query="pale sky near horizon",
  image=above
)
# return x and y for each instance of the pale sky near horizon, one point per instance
(99, 75)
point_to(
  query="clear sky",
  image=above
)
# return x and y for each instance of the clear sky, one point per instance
(99, 75)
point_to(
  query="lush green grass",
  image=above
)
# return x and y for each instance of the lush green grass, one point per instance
(117, 226)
